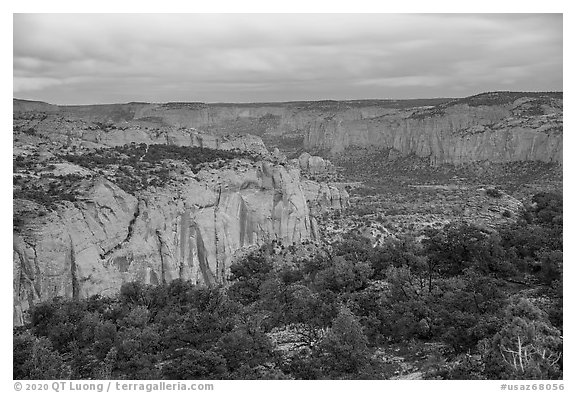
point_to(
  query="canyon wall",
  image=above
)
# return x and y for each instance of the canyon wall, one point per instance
(189, 231)
(192, 228)
(189, 228)
(460, 134)
(497, 127)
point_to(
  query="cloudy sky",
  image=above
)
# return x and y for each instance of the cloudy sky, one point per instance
(106, 58)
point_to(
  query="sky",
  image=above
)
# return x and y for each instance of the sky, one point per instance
(112, 58)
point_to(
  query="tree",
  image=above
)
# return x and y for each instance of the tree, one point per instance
(138, 316)
(247, 275)
(548, 208)
(396, 253)
(34, 358)
(133, 293)
(191, 363)
(22, 346)
(551, 263)
(246, 346)
(527, 346)
(344, 349)
(466, 309)
(354, 248)
(343, 275)
(455, 248)
(104, 338)
(138, 353)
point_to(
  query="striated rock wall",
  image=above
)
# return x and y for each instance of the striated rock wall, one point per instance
(460, 134)
(498, 127)
(189, 231)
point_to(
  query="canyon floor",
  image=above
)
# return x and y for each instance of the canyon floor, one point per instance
(406, 195)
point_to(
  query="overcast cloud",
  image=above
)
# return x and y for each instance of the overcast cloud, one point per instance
(99, 58)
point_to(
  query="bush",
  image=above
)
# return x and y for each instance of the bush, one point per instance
(455, 248)
(195, 364)
(247, 275)
(344, 349)
(527, 347)
(35, 358)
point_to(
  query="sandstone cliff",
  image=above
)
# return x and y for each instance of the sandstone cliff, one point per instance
(83, 226)
(192, 226)
(78, 132)
(324, 196)
(524, 129)
(189, 230)
(321, 195)
(497, 127)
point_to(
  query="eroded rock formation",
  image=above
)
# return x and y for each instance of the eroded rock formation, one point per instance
(314, 165)
(454, 134)
(324, 196)
(189, 231)
(496, 127)
(192, 228)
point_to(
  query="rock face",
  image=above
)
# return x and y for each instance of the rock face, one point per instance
(314, 165)
(323, 196)
(191, 229)
(80, 133)
(188, 231)
(455, 134)
(496, 127)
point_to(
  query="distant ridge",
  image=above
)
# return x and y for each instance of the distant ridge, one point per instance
(487, 98)
(444, 130)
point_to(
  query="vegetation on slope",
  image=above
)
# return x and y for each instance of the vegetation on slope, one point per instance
(134, 155)
(496, 98)
(34, 180)
(463, 299)
(131, 167)
(505, 97)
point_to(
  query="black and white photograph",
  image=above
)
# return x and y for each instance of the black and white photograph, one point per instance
(287, 196)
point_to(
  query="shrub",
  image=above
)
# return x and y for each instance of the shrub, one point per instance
(344, 349)
(247, 276)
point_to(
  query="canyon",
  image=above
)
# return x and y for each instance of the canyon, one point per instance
(273, 183)
(495, 127)
(188, 228)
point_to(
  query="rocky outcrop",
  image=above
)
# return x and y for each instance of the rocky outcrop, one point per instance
(314, 165)
(324, 196)
(321, 195)
(189, 231)
(80, 133)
